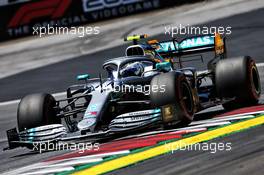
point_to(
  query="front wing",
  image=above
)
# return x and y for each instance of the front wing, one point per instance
(122, 124)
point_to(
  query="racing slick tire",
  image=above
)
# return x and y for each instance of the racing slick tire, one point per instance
(178, 92)
(238, 78)
(36, 110)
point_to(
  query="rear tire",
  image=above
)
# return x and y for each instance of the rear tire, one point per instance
(238, 78)
(177, 92)
(36, 110)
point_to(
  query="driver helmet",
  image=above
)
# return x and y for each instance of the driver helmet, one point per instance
(132, 69)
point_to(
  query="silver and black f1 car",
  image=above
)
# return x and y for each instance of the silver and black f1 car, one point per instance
(145, 89)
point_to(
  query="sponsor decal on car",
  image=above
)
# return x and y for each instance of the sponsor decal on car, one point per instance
(196, 42)
(201, 41)
(93, 107)
(146, 112)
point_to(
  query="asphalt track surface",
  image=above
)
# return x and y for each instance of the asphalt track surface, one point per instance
(246, 39)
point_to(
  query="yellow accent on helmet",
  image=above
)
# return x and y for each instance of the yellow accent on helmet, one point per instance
(136, 37)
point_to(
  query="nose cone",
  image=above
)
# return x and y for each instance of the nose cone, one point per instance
(86, 124)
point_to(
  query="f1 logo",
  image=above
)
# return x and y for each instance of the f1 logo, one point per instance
(33, 10)
(94, 5)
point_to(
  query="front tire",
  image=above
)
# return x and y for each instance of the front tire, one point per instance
(36, 110)
(177, 92)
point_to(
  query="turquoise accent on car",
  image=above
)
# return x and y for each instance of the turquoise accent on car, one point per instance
(200, 41)
(83, 77)
(157, 110)
(30, 139)
(163, 66)
(32, 130)
(166, 47)
(196, 42)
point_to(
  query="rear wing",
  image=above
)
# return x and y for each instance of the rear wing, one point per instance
(192, 45)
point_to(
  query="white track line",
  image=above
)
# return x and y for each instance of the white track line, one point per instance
(171, 131)
(67, 163)
(241, 114)
(49, 167)
(221, 119)
(95, 156)
(260, 64)
(50, 171)
(205, 125)
(60, 94)
(6, 103)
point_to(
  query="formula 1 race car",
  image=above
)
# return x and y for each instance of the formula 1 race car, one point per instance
(147, 88)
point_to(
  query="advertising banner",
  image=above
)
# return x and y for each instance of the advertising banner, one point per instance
(18, 18)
